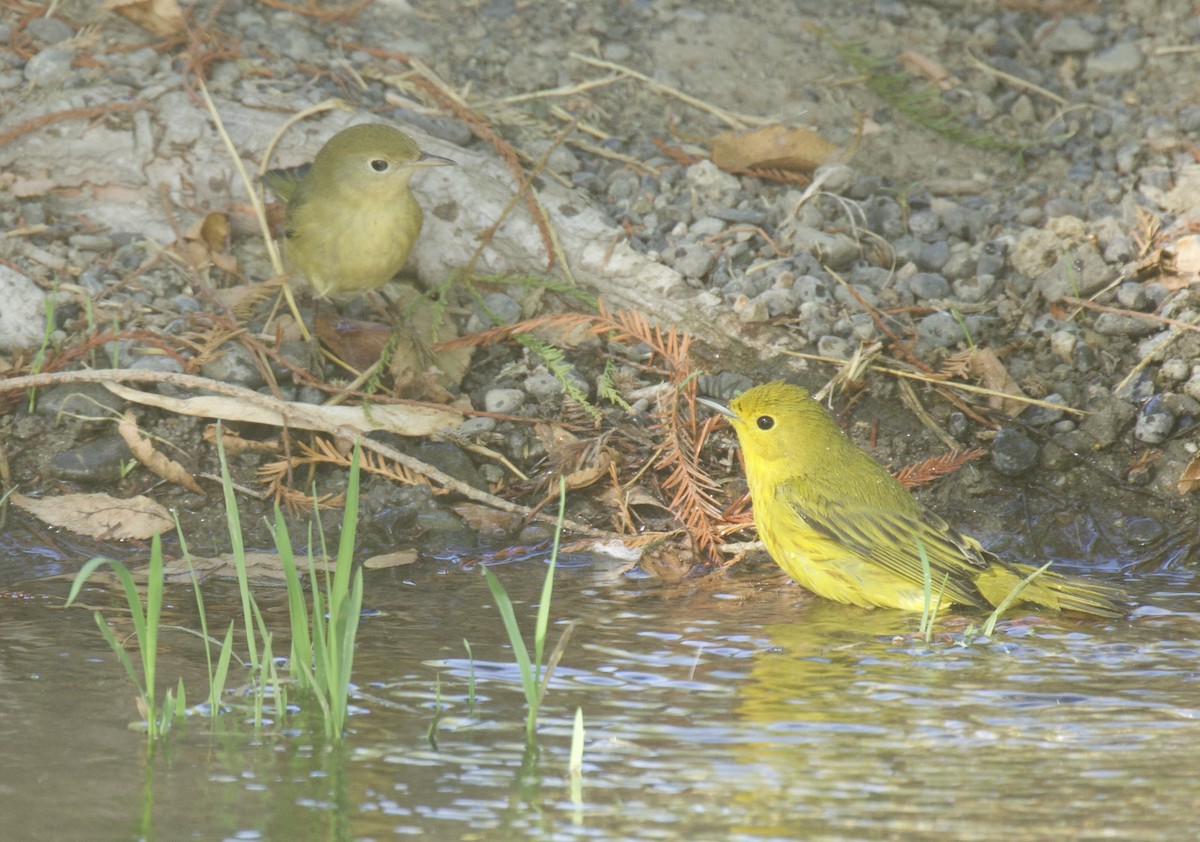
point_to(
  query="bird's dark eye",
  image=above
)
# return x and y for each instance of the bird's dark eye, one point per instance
(379, 165)
(765, 422)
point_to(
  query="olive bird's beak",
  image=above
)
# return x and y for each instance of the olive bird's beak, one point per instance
(427, 160)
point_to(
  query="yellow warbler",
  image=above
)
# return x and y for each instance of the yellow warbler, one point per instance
(842, 526)
(351, 219)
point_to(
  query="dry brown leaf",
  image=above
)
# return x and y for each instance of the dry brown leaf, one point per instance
(235, 444)
(772, 147)
(401, 419)
(554, 438)
(993, 375)
(357, 342)
(930, 68)
(399, 558)
(158, 463)
(1187, 256)
(159, 17)
(100, 516)
(589, 474)
(206, 242)
(487, 521)
(418, 369)
(1190, 480)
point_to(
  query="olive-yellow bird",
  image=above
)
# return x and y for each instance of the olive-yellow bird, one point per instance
(842, 526)
(351, 218)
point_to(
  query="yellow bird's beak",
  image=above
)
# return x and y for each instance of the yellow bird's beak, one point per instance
(719, 408)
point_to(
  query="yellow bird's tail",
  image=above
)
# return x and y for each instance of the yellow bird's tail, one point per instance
(1052, 590)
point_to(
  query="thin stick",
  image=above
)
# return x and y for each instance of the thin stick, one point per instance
(256, 202)
(1015, 81)
(953, 384)
(288, 410)
(730, 118)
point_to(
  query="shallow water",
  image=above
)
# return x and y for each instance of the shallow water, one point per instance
(752, 712)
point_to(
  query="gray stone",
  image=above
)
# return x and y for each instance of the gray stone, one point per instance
(1122, 57)
(974, 290)
(933, 256)
(1065, 35)
(695, 262)
(1108, 421)
(22, 318)
(1022, 110)
(1154, 422)
(1119, 250)
(834, 250)
(1113, 324)
(1131, 296)
(834, 346)
(49, 67)
(542, 385)
(1077, 274)
(779, 302)
(451, 459)
(83, 399)
(234, 364)
(1036, 416)
(1013, 452)
(939, 330)
(1174, 369)
(503, 401)
(927, 286)
(49, 30)
(809, 288)
(97, 461)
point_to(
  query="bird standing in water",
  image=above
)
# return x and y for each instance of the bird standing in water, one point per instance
(351, 219)
(839, 524)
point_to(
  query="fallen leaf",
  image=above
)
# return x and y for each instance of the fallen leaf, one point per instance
(235, 444)
(401, 419)
(993, 375)
(159, 463)
(159, 17)
(262, 568)
(359, 343)
(487, 521)
(399, 558)
(100, 516)
(772, 147)
(1190, 480)
(206, 242)
(930, 68)
(418, 369)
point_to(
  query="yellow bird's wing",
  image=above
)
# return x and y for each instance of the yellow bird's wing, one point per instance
(888, 537)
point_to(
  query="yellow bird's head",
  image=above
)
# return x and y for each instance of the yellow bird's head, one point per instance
(785, 433)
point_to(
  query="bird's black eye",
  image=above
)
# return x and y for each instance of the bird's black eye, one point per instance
(379, 165)
(765, 422)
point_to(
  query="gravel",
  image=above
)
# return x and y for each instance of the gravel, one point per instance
(959, 245)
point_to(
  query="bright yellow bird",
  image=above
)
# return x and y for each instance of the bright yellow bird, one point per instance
(351, 219)
(842, 526)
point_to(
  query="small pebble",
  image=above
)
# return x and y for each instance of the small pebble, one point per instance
(1013, 452)
(503, 401)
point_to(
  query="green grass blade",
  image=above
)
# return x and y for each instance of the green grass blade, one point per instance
(233, 523)
(470, 678)
(119, 650)
(1013, 595)
(514, 634)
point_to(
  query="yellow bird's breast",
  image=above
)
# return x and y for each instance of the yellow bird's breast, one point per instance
(358, 248)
